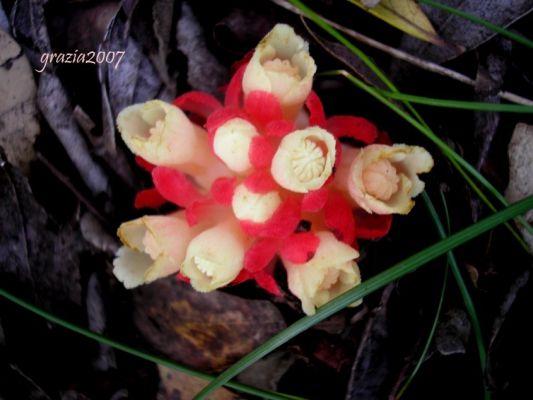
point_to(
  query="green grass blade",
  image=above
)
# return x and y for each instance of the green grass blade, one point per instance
(467, 299)
(480, 21)
(458, 104)
(455, 158)
(139, 353)
(431, 334)
(371, 285)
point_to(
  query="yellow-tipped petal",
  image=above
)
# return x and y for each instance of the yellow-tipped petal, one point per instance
(331, 272)
(159, 132)
(215, 257)
(281, 65)
(383, 179)
(154, 247)
(304, 160)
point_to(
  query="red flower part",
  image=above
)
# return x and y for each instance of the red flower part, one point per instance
(183, 278)
(219, 118)
(199, 103)
(261, 152)
(260, 254)
(316, 200)
(384, 138)
(175, 186)
(316, 110)
(372, 226)
(339, 217)
(149, 198)
(299, 248)
(234, 91)
(353, 127)
(260, 182)
(266, 281)
(282, 223)
(262, 107)
(243, 276)
(279, 128)
(193, 213)
(141, 162)
(222, 190)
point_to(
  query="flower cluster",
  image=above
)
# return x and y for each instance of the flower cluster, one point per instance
(262, 177)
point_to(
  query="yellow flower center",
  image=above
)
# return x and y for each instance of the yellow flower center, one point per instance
(308, 161)
(381, 180)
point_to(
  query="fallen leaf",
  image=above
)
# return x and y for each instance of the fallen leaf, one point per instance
(35, 256)
(205, 72)
(521, 171)
(18, 114)
(405, 15)
(178, 385)
(372, 364)
(467, 34)
(267, 372)
(208, 331)
(56, 107)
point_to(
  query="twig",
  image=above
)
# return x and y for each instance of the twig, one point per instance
(402, 55)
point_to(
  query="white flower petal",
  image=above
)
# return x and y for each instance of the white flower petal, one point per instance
(281, 65)
(232, 144)
(384, 179)
(304, 160)
(215, 257)
(255, 207)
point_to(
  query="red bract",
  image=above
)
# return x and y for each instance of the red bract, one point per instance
(261, 152)
(222, 190)
(352, 127)
(282, 223)
(262, 107)
(198, 103)
(300, 247)
(339, 217)
(149, 198)
(371, 226)
(260, 254)
(316, 110)
(175, 186)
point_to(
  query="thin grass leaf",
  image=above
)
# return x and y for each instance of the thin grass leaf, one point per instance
(430, 337)
(458, 104)
(456, 159)
(404, 267)
(266, 394)
(467, 299)
(480, 21)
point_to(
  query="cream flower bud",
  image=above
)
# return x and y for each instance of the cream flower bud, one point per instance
(215, 257)
(281, 65)
(232, 144)
(384, 179)
(154, 247)
(304, 160)
(159, 132)
(331, 272)
(254, 207)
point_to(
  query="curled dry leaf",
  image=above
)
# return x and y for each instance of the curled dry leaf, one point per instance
(521, 170)
(405, 15)
(18, 122)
